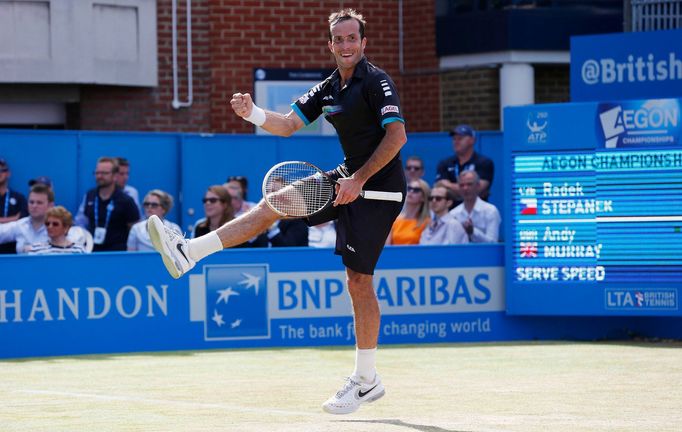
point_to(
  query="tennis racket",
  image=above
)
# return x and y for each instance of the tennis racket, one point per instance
(300, 189)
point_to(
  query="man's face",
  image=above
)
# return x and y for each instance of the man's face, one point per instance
(4, 174)
(122, 175)
(346, 44)
(38, 205)
(438, 201)
(413, 170)
(462, 143)
(104, 174)
(468, 187)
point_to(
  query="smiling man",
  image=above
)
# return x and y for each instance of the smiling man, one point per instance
(362, 103)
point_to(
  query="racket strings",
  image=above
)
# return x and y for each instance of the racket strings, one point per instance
(297, 189)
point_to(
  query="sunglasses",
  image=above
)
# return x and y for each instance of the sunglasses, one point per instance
(151, 204)
(413, 168)
(210, 200)
(52, 224)
(4, 169)
(436, 198)
(413, 189)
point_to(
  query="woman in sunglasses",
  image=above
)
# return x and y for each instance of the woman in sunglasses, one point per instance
(407, 228)
(156, 202)
(217, 208)
(58, 220)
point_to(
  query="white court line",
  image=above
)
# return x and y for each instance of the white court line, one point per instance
(164, 402)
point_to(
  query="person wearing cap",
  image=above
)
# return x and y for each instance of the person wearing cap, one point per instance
(12, 205)
(44, 180)
(464, 159)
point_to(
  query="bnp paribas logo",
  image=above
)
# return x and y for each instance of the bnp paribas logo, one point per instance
(232, 301)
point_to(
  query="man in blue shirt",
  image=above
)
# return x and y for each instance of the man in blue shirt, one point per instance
(464, 159)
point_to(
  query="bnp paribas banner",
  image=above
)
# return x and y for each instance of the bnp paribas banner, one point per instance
(126, 302)
(620, 66)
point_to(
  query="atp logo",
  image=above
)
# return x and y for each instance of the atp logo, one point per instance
(537, 123)
(236, 302)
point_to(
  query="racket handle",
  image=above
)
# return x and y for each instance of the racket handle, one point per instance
(382, 196)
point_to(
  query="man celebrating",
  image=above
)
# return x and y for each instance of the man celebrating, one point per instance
(361, 102)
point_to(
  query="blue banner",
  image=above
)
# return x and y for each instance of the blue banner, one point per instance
(622, 66)
(594, 201)
(124, 302)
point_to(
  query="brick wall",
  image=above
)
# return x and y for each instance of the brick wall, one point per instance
(149, 109)
(471, 96)
(552, 83)
(232, 37)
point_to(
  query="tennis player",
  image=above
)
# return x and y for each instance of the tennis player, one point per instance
(361, 102)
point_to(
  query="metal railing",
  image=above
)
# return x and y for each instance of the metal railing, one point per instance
(650, 15)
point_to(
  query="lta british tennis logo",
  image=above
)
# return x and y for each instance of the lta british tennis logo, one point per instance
(236, 302)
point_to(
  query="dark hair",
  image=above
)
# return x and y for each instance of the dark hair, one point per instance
(345, 15)
(122, 161)
(243, 181)
(40, 188)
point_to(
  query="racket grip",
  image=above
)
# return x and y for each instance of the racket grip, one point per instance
(382, 196)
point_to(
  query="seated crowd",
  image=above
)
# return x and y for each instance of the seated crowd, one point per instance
(453, 210)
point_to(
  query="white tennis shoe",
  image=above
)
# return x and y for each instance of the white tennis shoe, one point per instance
(171, 246)
(354, 393)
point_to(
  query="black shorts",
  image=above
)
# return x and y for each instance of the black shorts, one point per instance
(362, 226)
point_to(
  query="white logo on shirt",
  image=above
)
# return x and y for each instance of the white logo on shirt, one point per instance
(386, 88)
(389, 108)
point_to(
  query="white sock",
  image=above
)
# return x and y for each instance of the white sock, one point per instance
(365, 365)
(204, 246)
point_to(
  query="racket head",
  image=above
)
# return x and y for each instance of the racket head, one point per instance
(297, 189)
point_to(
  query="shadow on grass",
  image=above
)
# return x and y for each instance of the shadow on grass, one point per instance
(396, 422)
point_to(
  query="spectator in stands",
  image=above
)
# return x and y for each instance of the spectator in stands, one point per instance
(322, 235)
(480, 219)
(122, 177)
(58, 222)
(12, 205)
(43, 180)
(465, 159)
(414, 168)
(237, 187)
(414, 218)
(31, 229)
(108, 212)
(443, 228)
(288, 232)
(156, 202)
(217, 208)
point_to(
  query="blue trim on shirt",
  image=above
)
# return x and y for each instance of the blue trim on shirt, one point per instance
(391, 120)
(299, 113)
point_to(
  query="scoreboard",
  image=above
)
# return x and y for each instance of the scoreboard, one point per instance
(594, 208)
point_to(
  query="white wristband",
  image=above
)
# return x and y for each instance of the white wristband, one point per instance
(257, 116)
